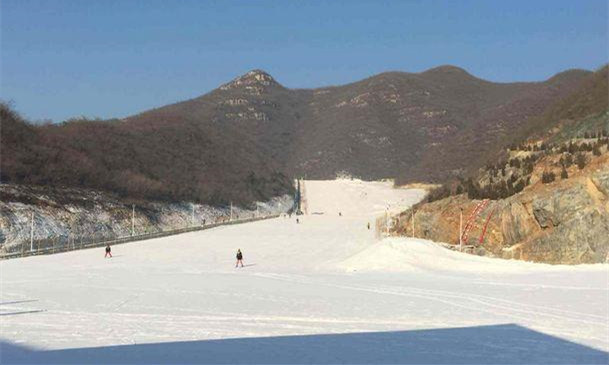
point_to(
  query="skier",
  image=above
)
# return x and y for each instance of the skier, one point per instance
(297, 221)
(368, 225)
(239, 258)
(340, 214)
(108, 251)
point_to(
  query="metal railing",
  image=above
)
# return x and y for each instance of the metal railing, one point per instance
(85, 243)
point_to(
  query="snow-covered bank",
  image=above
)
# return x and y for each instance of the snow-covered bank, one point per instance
(413, 254)
(180, 299)
(63, 215)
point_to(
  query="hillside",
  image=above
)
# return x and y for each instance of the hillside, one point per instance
(184, 162)
(416, 126)
(64, 217)
(548, 196)
(244, 141)
(581, 110)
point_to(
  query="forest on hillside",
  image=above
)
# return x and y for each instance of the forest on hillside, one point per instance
(161, 162)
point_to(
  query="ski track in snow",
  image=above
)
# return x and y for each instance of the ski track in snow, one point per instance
(325, 275)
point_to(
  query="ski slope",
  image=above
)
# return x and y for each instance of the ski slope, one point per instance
(321, 291)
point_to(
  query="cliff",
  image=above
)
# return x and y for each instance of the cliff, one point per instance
(562, 222)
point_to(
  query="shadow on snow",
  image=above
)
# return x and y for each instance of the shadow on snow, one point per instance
(497, 344)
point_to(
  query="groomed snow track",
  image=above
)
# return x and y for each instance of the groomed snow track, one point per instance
(321, 291)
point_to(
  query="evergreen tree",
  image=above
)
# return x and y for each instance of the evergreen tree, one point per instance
(568, 160)
(459, 189)
(519, 186)
(547, 177)
(581, 160)
(572, 148)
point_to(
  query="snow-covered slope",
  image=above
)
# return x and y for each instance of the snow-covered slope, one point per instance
(323, 291)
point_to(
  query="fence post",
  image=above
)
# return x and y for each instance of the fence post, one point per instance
(461, 230)
(387, 221)
(413, 223)
(32, 233)
(132, 219)
(192, 223)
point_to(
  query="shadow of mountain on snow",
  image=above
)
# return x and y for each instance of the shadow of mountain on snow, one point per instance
(496, 344)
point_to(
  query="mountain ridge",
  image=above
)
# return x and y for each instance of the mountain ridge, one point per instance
(434, 70)
(253, 134)
(382, 82)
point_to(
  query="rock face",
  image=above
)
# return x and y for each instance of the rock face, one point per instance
(572, 224)
(72, 215)
(566, 222)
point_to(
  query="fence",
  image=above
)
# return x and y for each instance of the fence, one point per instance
(64, 244)
(385, 224)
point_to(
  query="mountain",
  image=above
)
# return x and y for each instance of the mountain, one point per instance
(244, 140)
(423, 126)
(583, 110)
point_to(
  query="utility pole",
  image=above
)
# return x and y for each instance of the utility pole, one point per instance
(387, 221)
(32, 233)
(413, 223)
(132, 219)
(299, 196)
(461, 230)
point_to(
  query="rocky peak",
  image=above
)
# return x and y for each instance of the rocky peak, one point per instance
(255, 81)
(259, 75)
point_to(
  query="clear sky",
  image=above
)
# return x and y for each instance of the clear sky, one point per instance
(115, 58)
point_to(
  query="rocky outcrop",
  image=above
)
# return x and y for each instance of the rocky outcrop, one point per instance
(254, 81)
(573, 223)
(565, 222)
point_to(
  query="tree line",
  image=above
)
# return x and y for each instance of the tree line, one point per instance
(511, 176)
(167, 161)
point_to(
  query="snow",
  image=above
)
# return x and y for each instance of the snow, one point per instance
(321, 291)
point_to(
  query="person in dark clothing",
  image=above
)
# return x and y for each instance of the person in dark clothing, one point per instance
(368, 225)
(239, 258)
(297, 221)
(108, 251)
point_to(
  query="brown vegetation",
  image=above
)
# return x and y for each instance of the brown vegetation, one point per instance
(244, 140)
(158, 162)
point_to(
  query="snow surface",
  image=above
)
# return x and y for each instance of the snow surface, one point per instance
(321, 291)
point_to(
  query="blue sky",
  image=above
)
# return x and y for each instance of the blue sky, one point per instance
(105, 59)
